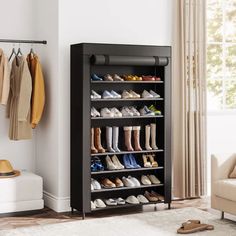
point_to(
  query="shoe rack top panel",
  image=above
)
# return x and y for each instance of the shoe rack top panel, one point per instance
(124, 49)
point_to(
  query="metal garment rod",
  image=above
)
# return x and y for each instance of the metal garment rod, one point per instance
(23, 41)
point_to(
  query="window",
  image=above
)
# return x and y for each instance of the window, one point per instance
(221, 55)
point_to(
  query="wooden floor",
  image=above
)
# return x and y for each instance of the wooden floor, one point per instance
(47, 216)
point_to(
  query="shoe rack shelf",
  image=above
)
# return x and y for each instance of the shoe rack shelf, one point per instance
(126, 205)
(126, 170)
(141, 60)
(126, 117)
(127, 152)
(127, 82)
(126, 100)
(126, 188)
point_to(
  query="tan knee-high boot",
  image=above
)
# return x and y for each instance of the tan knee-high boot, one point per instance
(136, 130)
(147, 137)
(127, 131)
(153, 136)
(93, 149)
(97, 140)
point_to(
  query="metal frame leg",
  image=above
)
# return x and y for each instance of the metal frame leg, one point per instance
(222, 215)
(169, 206)
(83, 215)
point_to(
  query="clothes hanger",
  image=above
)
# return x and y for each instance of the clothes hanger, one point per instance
(13, 52)
(19, 53)
(32, 51)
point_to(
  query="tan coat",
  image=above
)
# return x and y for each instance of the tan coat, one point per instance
(19, 100)
(38, 91)
(4, 78)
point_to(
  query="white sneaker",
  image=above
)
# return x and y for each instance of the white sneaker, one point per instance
(93, 206)
(95, 95)
(110, 164)
(146, 94)
(134, 95)
(145, 180)
(116, 112)
(99, 203)
(154, 179)
(142, 199)
(115, 94)
(105, 112)
(134, 180)
(126, 95)
(107, 95)
(134, 111)
(132, 200)
(117, 163)
(155, 95)
(111, 202)
(96, 184)
(126, 112)
(92, 188)
(94, 112)
(127, 182)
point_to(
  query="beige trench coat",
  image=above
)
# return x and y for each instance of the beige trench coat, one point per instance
(4, 78)
(19, 100)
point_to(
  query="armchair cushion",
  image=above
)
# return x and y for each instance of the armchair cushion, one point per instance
(233, 173)
(225, 188)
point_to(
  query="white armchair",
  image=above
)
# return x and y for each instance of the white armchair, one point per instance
(223, 189)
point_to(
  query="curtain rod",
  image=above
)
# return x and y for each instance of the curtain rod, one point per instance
(23, 41)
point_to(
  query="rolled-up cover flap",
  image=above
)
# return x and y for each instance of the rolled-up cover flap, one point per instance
(129, 60)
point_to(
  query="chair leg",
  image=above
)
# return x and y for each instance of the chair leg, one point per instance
(222, 215)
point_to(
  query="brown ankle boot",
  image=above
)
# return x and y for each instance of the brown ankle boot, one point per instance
(127, 131)
(93, 149)
(97, 140)
(136, 130)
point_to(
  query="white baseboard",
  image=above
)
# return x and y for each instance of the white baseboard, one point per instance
(58, 204)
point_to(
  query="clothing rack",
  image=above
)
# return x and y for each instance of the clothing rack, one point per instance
(23, 41)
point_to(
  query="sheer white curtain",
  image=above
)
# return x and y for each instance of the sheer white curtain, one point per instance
(189, 94)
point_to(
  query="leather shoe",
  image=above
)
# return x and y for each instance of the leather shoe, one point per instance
(151, 197)
(117, 78)
(106, 183)
(108, 77)
(118, 183)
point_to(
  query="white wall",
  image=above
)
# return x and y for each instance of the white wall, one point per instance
(104, 21)
(17, 22)
(48, 132)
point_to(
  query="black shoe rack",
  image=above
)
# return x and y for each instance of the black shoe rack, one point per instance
(102, 59)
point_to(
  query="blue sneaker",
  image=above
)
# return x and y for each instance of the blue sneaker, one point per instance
(133, 161)
(96, 164)
(94, 77)
(126, 162)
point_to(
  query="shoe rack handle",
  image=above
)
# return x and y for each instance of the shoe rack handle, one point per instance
(129, 60)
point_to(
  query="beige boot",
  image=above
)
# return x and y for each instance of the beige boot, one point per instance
(97, 140)
(127, 131)
(93, 149)
(153, 136)
(109, 139)
(136, 130)
(147, 138)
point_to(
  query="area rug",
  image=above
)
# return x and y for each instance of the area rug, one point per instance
(160, 223)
